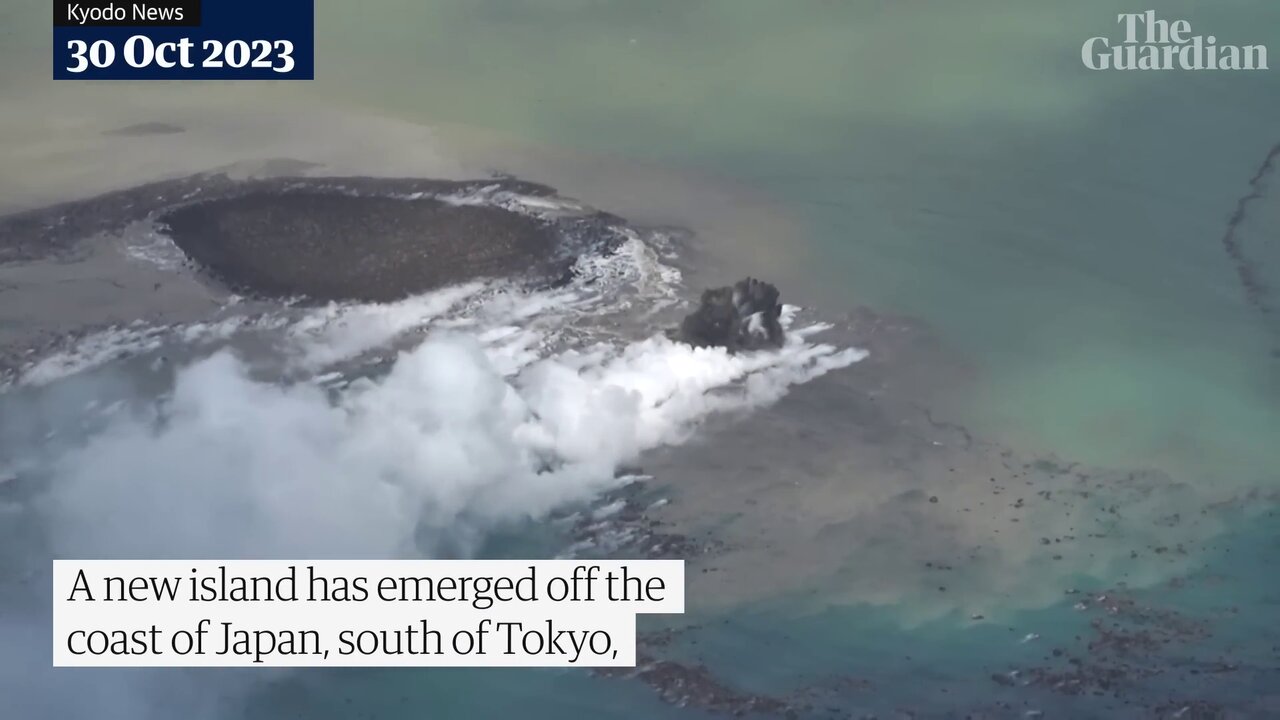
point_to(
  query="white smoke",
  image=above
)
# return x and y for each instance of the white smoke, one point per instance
(488, 406)
(402, 429)
(466, 431)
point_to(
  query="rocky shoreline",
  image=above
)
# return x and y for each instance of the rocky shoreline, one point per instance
(178, 251)
(871, 453)
(324, 238)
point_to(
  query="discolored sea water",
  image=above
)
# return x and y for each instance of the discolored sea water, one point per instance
(1091, 255)
(1061, 229)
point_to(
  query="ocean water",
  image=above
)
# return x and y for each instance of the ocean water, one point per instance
(1057, 236)
(949, 160)
(1061, 230)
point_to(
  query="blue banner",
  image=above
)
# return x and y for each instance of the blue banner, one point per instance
(184, 40)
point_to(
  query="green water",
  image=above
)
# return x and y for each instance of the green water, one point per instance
(1059, 229)
(953, 161)
(950, 160)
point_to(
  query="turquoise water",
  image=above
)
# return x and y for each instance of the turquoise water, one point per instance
(1060, 230)
(950, 160)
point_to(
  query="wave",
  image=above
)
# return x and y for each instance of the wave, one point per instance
(393, 429)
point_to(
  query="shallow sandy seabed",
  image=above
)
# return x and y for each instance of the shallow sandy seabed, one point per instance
(878, 499)
(59, 154)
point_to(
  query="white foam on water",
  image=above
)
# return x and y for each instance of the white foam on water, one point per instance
(114, 343)
(481, 415)
(94, 350)
(343, 331)
(145, 244)
(408, 428)
(495, 196)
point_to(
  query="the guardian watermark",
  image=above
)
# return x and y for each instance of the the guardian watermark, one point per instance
(1151, 43)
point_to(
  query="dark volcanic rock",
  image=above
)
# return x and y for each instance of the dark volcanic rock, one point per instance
(326, 245)
(357, 238)
(741, 317)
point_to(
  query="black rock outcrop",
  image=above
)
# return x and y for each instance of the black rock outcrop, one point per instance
(328, 245)
(743, 316)
(334, 238)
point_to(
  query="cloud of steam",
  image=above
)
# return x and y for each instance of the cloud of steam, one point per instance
(493, 408)
(443, 447)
